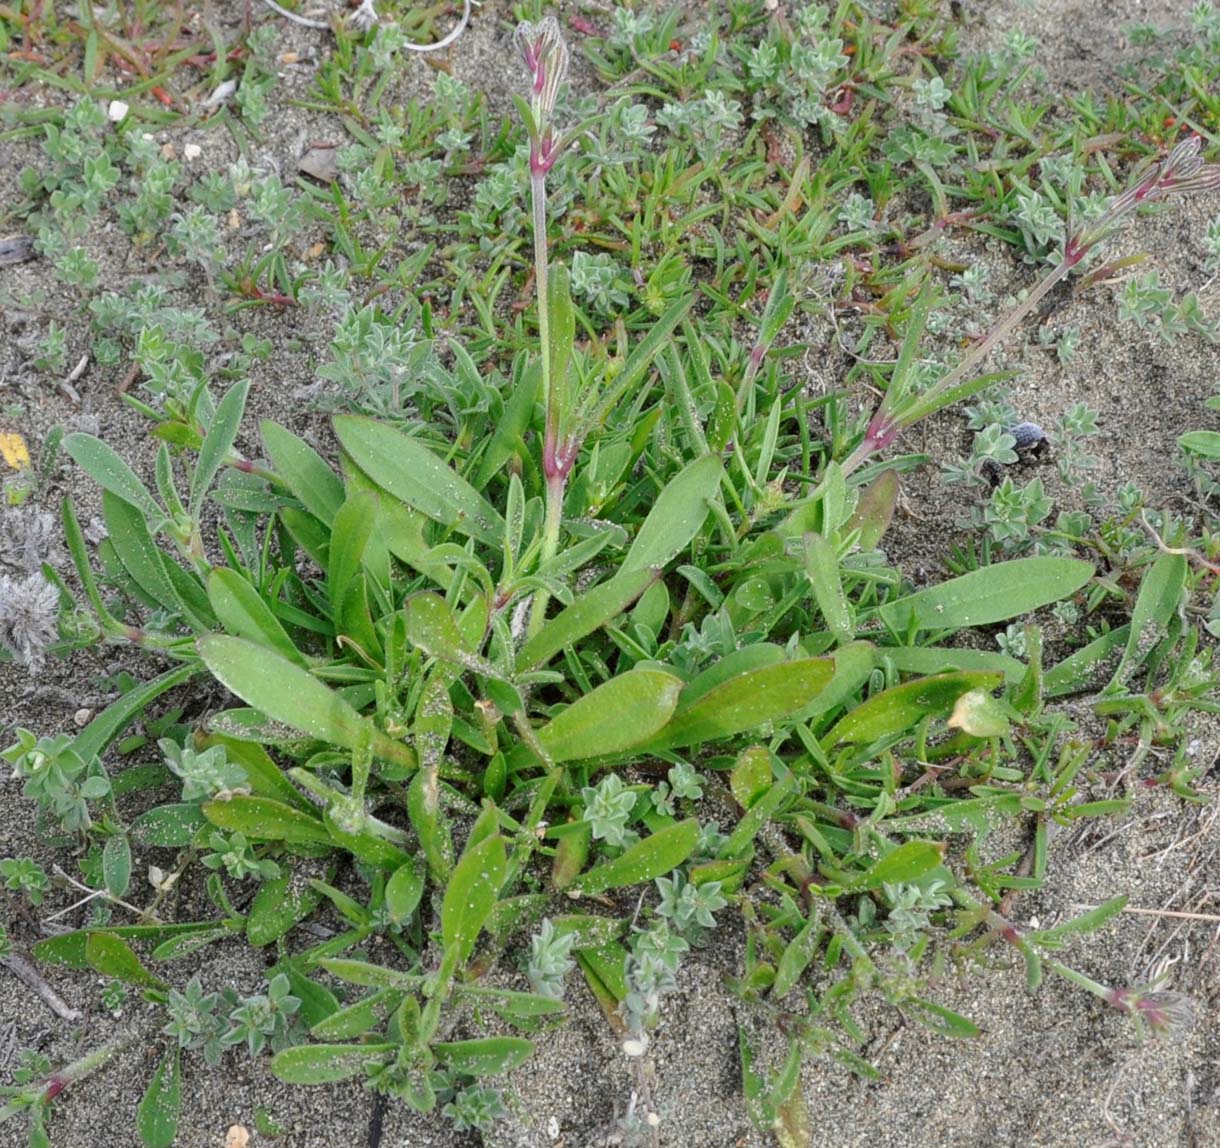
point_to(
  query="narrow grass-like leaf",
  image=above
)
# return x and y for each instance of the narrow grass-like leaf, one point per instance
(992, 594)
(409, 471)
(650, 858)
(1086, 923)
(619, 714)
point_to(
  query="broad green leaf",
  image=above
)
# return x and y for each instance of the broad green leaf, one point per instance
(1204, 443)
(289, 694)
(653, 857)
(404, 891)
(263, 776)
(222, 431)
(174, 825)
(113, 957)
(592, 610)
(515, 1006)
(992, 594)
(1161, 590)
(484, 1056)
(751, 776)
(279, 904)
(150, 569)
(70, 949)
(433, 628)
(897, 709)
(677, 515)
(243, 613)
(327, 1063)
(102, 463)
(303, 471)
(116, 865)
(470, 896)
(357, 1019)
(902, 865)
(409, 471)
(619, 714)
(157, 1116)
(262, 819)
(746, 702)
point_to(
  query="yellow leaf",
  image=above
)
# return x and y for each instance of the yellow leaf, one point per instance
(15, 452)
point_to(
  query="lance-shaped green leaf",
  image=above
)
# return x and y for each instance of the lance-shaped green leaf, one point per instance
(875, 509)
(114, 957)
(1161, 590)
(896, 710)
(822, 570)
(646, 860)
(327, 1063)
(483, 1056)
(592, 610)
(303, 471)
(624, 712)
(1206, 444)
(243, 613)
(289, 694)
(169, 825)
(279, 904)
(433, 628)
(157, 1116)
(222, 431)
(745, 702)
(110, 472)
(116, 865)
(470, 897)
(676, 516)
(902, 865)
(409, 471)
(992, 594)
(1079, 671)
(263, 819)
(70, 949)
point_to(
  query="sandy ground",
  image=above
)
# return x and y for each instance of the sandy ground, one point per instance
(1053, 1068)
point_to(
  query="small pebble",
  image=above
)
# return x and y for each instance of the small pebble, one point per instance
(82, 717)
(237, 1137)
(192, 151)
(117, 112)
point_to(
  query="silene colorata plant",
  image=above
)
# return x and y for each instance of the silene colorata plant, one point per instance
(641, 637)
